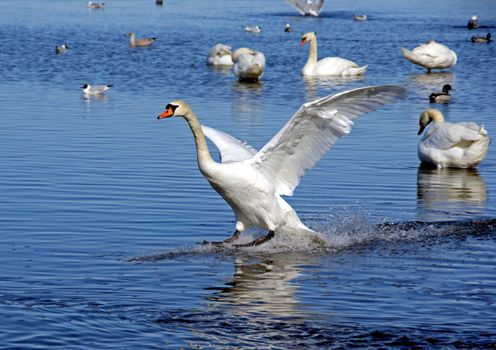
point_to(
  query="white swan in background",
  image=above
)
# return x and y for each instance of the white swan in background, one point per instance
(307, 7)
(431, 55)
(329, 66)
(451, 145)
(220, 55)
(253, 183)
(249, 65)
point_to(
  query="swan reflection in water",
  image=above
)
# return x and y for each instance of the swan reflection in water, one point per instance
(246, 100)
(444, 194)
(262, 287)
(314, 83)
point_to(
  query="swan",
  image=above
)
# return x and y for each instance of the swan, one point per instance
(451, 145)
(61, 49)
(139, 42)
(443, 96)
(329, 66)
(307, 7)
(481, 39)
(95, 89)
(473, 22)
(252, 182)
(431, 55)
(220, 55)
(249, 65)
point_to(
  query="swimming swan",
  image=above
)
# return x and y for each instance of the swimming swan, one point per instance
(249, 65)
(307, 7)
(451, 145)
(220, 55)
(253, 183)
(329, 66)
(431, 55)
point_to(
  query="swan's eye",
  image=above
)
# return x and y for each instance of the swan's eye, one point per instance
(171, 106)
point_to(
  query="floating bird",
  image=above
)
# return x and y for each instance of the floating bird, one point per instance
(431, 55)
(220, 55)
(249, 65)
(307, 7)
(473, 22)
(360, 18)
(288, 28)
(481, 39)
(61, 49)
(441, 97)
(95, 89)
(139, 42)
(328, 66)
(451, 145)
(159, 2)
(252, 182)
(95, 5)
(254, 29)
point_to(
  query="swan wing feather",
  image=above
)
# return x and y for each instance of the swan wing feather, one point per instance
(313, 129)
(230, 148)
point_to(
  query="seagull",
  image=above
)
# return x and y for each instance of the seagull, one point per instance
(252, 182)
(95, 5)
(95, 89)
(61, 49)
(139, 42)
(307, 7)
(255, 29)
(360, 17)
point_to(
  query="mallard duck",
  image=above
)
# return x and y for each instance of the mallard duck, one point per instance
(481, 39)
(443, 96)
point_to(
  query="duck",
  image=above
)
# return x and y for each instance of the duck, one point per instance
(473, 22)
(431, 55)
(95, 5)
(329, 66)
(254, 182)
(253, 29)
(139, 42)
(220, 55)
(360, 18)
(481, 39)
(288, 28)
(59, 49)
(443, 96)
(451, 145)
(95, 89)
(307, 7)
(249, 65)
(159, 2)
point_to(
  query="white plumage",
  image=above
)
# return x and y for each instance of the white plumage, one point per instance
(220, 55)
(253, 183)
(307, 7)
(249, 65)
(431, 55)
(451, 145)
(329, 66)
(95, 89)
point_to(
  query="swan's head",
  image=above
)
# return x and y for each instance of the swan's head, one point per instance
(176, 108)
(428, 116)
(307, 38)
(242, 51)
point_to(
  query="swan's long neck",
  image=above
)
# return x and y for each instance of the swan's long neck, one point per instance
(312, 53)
(203, 154)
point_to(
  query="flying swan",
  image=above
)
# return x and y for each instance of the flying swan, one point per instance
(307, 7)
(252, 182)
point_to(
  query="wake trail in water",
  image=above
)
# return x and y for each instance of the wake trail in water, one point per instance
(349, 232)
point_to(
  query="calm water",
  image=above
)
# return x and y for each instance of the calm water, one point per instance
(102, 205)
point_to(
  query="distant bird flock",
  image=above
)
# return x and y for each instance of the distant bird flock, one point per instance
(253, 182)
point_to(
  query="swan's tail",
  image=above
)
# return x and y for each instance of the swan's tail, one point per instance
(409, 55)
(356, 70)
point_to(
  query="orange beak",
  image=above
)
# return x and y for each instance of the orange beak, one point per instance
(166, 114)
(303, 41)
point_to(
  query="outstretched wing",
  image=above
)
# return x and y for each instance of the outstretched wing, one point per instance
(313, 129)
(230, 148)
(299, 5)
